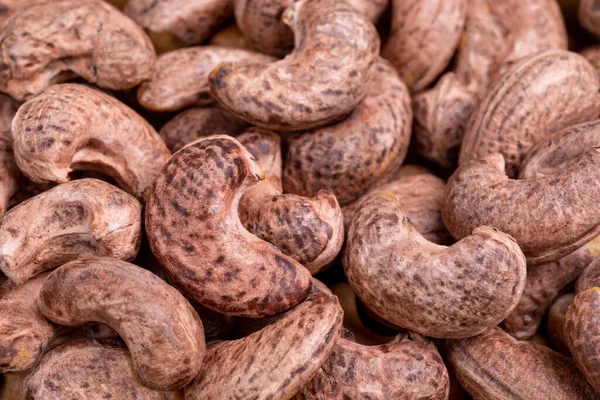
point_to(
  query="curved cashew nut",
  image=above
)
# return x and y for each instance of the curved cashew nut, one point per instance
(310, 230)
(49, 42)
(438, 291)
(73, 127)
(549, 217)
(194, 230)
(556, 323)
(321, 81)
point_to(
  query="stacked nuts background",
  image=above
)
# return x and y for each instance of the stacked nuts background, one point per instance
(312, 199)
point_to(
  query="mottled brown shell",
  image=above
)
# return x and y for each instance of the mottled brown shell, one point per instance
(321, 81)
(590, 276)
(194, 230)
(445, 292)
(9, 7)
(556, 323)
(52, 41)
(72, 127)
(275, 362)
(359, 153)
(161, 329)
(589, 16)
(495, 366)
(180, 77)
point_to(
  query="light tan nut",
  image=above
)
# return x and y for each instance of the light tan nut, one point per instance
(438, 291)
(9, 175)
(495, 366)
(592, 54)
(72, 127)
(589, 16)
(556, 323)
(161, 329)
(310, 230)
(275, 362)
(359, 153)
(320, 82)
(50, 42)
(591, 275)
(230, 36)
(423, 38)
(195, 233)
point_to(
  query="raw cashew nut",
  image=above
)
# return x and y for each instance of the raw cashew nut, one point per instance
(549, 217)
(321, 81)
(72, 127)
(589, 16)
(161, 329)
(195, 233)
(310, 230)
(438, 291)
(49, 42)
(556, 323)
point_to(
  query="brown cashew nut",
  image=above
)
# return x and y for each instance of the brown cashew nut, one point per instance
(82, 217)
(180, 77)
(438, 291)
(549, 217)
(495, 366)
(561, 89)
(359, 153)
(310, 230)
(556, 323)
(9, 7)
(320, 82)
(72, 127)
(589, 16)
(275, 362)
(161, 329)
(195, 233)
(50, 42)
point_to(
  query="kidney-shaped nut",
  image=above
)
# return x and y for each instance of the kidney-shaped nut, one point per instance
(556, 323)
(438, 291)
(589, 16)
(72, 127)
(310, 230)
(82, 217)
(48, 42)
(321, 81)
(161, 329)
(275, 362)
(549, 217)
(538, 96)
(195, 233)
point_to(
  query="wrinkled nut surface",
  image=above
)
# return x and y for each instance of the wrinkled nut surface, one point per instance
(556, 323)
(589, 16)
(195, 233)
(277, 360)
(9, 7)
(359, 153)
(161, 329)
(310, 230)
(72, 127)
(546, 223)
(49, 42)
(78, 218)
(423, 38)
(438, 291)
(538, 96)
(495, 366)
(590, 277)
(321, 81)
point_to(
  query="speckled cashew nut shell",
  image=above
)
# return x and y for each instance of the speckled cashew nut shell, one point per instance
(161, 329)
(539, 95)
(86, 369)
(546, 223)
(180, 77)
(321, 81)
(73, 127)
(78, 218)
(49, 42)
(438, 291)
(275, 362)
(195, 233)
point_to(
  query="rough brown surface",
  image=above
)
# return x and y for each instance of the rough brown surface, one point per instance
(194, 230)
(277, 360)
(161, 329)
(495, 366)
(589, 16)
(556, 323)
(180, 77)
(310, 230)
(9, 7)
(359, 153)
(321, 81)
(590, 277)
(438, 291)
(72, 127)
(9, 173)
(52, 41)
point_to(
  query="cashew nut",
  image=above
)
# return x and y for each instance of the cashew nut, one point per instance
(556, 323)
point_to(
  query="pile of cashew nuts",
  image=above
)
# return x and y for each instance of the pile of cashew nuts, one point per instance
(300, 199)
